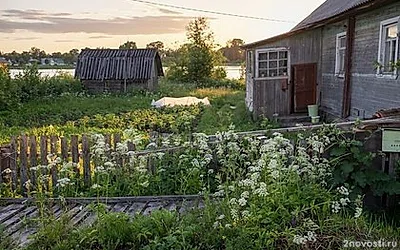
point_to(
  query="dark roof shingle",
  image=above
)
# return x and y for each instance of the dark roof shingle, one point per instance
(329, 9)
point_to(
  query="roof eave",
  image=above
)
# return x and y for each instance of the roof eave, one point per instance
(318, 24)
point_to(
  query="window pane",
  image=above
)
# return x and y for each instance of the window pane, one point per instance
(262, 73)
(342, 42)
(392, 31)
(283, 72)
(273, 55)
(273, 72)
(283, 55)
(273, 64)
(263, 65)
(282, 63)
(262, 56)
(341, 64)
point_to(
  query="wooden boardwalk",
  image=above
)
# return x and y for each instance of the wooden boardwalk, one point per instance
(17, 216)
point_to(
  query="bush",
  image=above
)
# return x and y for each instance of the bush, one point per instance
(30, 85)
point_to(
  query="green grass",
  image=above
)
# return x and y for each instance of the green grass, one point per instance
(60, 115)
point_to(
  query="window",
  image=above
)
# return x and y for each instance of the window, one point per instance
(388, 46)
(340, 54)
(272, 63)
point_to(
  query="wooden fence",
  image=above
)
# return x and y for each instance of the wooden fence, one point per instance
(25, 152)
(21, 157)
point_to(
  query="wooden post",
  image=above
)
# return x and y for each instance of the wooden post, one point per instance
(23, 164)
(64, 149)
(75, 153)
(53, 150)
(86, 160)
(13, 163)
(117, 139)
(33, 159)
(108, 140)
(43, 158)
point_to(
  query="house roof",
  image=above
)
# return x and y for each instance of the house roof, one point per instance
(3, 60)
(117, 64)
(330, 10)
(14, 213)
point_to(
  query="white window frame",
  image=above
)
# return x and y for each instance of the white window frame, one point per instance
(338, 49)
(382, 41)
(280, 49)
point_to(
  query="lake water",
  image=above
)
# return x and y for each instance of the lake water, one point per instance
(232, 72)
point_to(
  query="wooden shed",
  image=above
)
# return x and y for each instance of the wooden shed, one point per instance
(119, 70)
(342, 57)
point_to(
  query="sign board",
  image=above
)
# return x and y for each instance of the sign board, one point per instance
(391, 140)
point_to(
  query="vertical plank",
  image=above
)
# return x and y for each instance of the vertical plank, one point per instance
(75, 153)
(43, 159)
(64, 149)
(108, 140)
(53, 150)
(117, 139)
(131, 146)
(33, 159)
(86, 160)
(23, 148)
(13, 162)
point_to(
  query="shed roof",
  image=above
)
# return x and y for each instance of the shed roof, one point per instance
(117, 64)
(328, 11)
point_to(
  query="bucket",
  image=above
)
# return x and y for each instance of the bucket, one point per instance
(313, 110)
(315, 119)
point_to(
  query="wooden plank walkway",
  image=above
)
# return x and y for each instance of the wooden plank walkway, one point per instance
(17, 216)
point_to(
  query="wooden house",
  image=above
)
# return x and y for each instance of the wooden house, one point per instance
(118, 70)
(344, 57)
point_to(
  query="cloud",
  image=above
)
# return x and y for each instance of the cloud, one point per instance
(65, 41)
(100, 37)
(56, 23)
(25, 38)
(32, 14)
(167, 11)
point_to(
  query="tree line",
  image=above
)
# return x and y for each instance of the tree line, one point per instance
(231, 52)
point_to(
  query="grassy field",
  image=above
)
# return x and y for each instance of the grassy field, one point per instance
(81, 113)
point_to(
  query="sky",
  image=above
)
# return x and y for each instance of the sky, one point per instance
(60, 25)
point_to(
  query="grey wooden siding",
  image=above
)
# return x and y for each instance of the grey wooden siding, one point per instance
(369, 93)
(269, 98)
(332, 86)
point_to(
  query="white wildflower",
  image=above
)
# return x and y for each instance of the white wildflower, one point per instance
(221, 217)
(96, 186)
(358, 212)
(242, 202)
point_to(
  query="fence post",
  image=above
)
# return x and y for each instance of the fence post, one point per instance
(53, 150)
(86, 160)
(75, 153)
(117, 139)
(43, 159)
(64, 149)
(33, 159)
(13, 163)
(23, 147)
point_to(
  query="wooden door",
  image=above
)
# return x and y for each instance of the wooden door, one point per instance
(305, 86)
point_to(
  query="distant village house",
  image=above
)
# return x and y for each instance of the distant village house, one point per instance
(343, 57)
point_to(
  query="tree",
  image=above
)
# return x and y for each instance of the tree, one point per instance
(233, 51)
(128, 45)
(201, 58)
(156, 45)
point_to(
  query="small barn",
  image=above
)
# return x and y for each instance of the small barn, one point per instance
(344, 57)
(119, 70)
